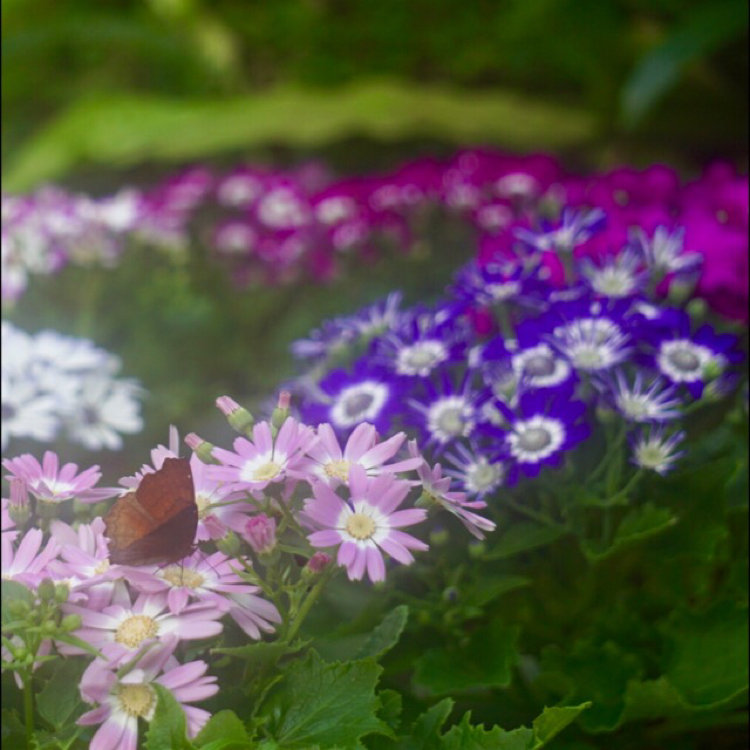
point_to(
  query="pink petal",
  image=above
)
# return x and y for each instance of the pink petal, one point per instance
(375, 564)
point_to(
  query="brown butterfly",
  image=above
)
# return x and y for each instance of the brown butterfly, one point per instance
(157, 522)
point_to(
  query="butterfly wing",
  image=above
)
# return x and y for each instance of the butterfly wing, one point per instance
(157, 522)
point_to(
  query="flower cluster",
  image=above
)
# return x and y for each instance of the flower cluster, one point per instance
(283, 226)
(56, 385)
(278, 491)
(511, 370)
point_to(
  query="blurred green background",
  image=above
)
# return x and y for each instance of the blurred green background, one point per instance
(97, 95)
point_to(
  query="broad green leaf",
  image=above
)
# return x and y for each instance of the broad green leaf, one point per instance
(487, 588)
(465, 736)
(13, 591)
(56, 701)
(638, 524)
(426, 728)
(484, 662)
(709, 659)
(709, 26)
(553, 720)
(524, 536)
(12, 730)
(385, 636)
(123, 130)
(223, 731)
(595, 673)
(166, 731)
(390, 707)
(324, 704)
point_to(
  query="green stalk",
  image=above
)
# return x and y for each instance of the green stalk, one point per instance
(307, 604)
(28, 706)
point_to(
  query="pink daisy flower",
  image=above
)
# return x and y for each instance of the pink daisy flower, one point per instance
(52, 484)
(124, 700)
(362, 448)
(25, 563)
(254, 465)
(210, 580)
(123, 627)
(366, 525)
(436, 489)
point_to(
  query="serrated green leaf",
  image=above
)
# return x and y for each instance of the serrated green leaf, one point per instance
(324, 704)
(385, 636)
(637, 525)
(709, 659)
(426, 729)
(390, 707)
(167, 730)
(465, 736)
(57, 701)
(483, 663)
(223, 731)
(553, 720)
(595, 673)
(524, 536)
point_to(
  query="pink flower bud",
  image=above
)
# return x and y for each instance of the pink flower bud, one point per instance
(19, 494)
(260, 532)
(201, 448)
(284, 400)
(318, 562)
(227, 405)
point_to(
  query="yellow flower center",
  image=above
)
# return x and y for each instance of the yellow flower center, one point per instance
(102, 567)
(133, 631)
(203, 504)
(338, 470)
(176, 575)
(360, 526)
(266, 472)
(136, 700)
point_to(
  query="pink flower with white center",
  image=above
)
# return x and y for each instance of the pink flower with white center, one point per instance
(122, 628)
(436, 489)
(52, 484)
(84, 563)
(366, 525)
(123, 700)
(362, 448)
(209, 580)
(254, 465)
(25, 563)
(253, 614)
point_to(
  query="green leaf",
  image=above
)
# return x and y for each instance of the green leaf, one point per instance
(595, 673)
(524, 536)
(123, 130)
(390, 707)
(166, 731)
(484, 662)
(9, 592)
(709, 659)
(385, 636)
(465, 736)
(426, 728)
(12, 731)
(325, 704)
(57, 701)
(638, 524)
(489, 587)
(709, 26)
(223, 731)
(553, 720)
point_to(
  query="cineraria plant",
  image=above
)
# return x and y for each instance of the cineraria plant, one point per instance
(55, 385)
(102, 651)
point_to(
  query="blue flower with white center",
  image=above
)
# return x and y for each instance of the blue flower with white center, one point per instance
(445, 413)
(617, 277)
(478, 470)
(591, 343)
(636, 402)
(663, 251)
(493, 283)
(539, 431)
(691, 360)
(654, 449)
(346, 399)
(575, 228)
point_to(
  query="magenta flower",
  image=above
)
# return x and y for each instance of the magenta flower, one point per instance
(120, 629)
(436, 489)
(366, 525)
(362, 449)
(25, 563)
(254, 465)
(260, 533)
(122, 701)
(52, 484)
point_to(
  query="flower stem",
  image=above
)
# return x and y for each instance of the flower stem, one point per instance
(28, 706)
(542, 518)
(308, 603)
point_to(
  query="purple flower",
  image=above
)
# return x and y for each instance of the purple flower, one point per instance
(575, 228)
(656, 402)
(654, 449)
(366, 524)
